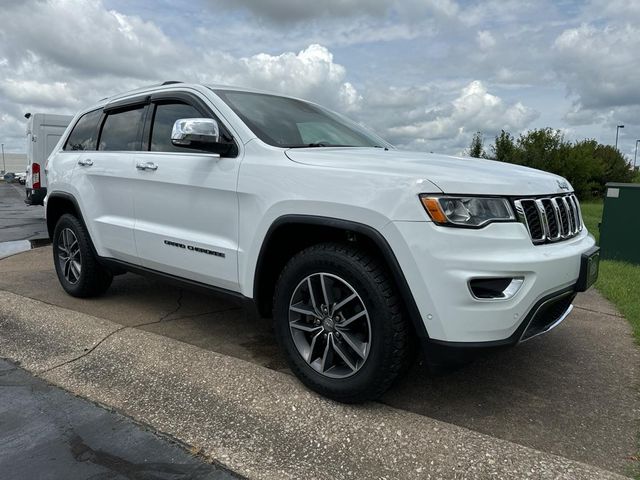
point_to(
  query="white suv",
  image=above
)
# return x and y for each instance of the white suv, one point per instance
(355, 249)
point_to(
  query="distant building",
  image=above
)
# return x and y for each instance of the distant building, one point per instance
(15, 162)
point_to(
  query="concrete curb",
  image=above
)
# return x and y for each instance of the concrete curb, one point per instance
(42, 336)
(257, 422)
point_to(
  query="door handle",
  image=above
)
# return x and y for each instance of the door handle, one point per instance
(85, 162)
(146, 166)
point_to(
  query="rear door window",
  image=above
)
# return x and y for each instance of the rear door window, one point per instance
(84, 135)
(121, 130)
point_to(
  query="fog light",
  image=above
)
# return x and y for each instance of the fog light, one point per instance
(495, 288)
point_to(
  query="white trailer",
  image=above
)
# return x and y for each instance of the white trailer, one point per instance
(43, 133)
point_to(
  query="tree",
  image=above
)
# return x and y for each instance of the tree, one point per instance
(542, 149)
(504, 148)
(476, 149)
(587, 164)
(579, 164)
(616, 168)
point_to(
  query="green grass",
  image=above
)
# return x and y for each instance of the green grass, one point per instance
(592, 214)
(619, 282)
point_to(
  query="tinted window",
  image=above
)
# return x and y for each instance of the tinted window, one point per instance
(163, 120)
(84, 135)
(287, 122)
(120, 130)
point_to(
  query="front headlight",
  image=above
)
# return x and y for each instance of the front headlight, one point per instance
(467, 211)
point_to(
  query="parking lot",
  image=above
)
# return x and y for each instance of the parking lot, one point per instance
(572, 393)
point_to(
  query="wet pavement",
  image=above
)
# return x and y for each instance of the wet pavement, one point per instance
(48, 433)
(21, 226)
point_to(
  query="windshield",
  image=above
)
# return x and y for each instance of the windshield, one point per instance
(290, 123)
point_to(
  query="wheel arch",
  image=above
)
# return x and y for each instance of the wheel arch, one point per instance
(59, 203)
(309, 230)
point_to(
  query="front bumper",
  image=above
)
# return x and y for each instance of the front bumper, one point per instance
(438, 263)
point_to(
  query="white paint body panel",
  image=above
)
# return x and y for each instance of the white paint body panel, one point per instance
(190, 199)
(106, 192)
(229, 204)
(438, 262)
(454, 175)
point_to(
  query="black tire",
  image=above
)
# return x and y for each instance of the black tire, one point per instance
(93, 279)
(389, 346)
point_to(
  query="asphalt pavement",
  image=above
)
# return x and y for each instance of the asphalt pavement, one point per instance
(19, 222)
(48, 433)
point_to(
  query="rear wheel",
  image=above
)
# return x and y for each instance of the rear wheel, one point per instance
(338, 320)
(78, 269)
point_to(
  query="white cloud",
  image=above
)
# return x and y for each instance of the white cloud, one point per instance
(31, 91)
(60, 55)
(425, 73)
(349, 97)
(623, 11)
(474, 109)
(94, 52)
(485, 40)
(83, 36)
(598, 65)
(403, 98)
(310, 73)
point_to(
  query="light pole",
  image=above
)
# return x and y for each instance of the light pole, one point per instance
(636, 155)
(4, 167)
(617, 129)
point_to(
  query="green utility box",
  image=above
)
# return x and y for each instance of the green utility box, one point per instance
(620, 227)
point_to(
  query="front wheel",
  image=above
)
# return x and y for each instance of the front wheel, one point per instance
(78, 269)
(338, 320)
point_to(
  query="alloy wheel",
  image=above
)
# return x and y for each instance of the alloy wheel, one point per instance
(69, 255)
(330, 325)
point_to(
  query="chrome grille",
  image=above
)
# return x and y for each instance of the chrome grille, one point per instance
(550, 219)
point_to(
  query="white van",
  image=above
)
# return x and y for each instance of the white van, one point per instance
(43, 132)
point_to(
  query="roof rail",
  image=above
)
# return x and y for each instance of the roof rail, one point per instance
(137, 90)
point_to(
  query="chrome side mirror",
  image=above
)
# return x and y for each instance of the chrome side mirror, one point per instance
(195, 132)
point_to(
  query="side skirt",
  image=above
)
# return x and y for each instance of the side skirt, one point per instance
(118, 267)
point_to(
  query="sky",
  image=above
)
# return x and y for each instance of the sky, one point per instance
(424, 74)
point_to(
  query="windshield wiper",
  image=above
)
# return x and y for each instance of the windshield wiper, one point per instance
(317, 145)
(322, 144)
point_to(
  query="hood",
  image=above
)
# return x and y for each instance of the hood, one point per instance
(453, 175)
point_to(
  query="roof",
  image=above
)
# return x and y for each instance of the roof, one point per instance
(169, 86)
(172, 85)
(236, 88)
